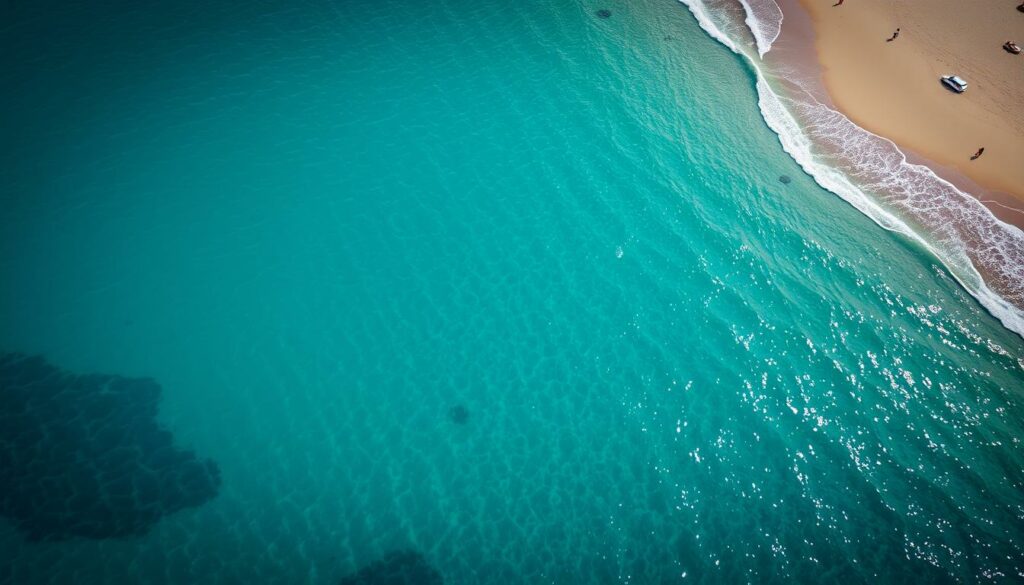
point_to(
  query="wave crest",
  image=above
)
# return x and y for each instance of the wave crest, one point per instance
(764, 18)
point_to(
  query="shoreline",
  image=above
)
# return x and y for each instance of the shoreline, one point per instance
(836, 47)
(974, 231)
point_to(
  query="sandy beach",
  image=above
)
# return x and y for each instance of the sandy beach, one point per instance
(892, 88)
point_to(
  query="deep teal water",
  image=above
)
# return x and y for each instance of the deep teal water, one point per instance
(320, 226)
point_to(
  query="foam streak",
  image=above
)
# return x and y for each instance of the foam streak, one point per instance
(764, 18)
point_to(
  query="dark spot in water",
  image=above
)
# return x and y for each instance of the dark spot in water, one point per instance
(84, 456)
(784, 179)
(604, 13)
(459, 414)
(397, 568)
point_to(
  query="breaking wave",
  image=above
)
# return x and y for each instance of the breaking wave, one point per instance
(765, 22)
(983, 253)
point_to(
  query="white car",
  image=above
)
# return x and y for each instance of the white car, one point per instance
(955, 83)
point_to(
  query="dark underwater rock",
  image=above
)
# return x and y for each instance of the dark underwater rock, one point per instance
(397, 568)
(784, 179)
(604, 13)
(459, 414)
(84, 456)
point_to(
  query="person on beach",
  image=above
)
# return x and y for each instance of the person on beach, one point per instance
(837, 3)
(893, 37)
(979, 153)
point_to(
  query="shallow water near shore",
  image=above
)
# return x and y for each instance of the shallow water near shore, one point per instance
(984, 254)
(512, 286)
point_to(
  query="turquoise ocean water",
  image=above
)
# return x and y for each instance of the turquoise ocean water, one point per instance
(510, 285)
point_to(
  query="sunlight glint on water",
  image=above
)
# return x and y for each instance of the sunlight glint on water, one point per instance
(511, 286)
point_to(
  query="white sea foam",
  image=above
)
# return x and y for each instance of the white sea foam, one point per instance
(700, 12)
(764, 17)
(874, 176)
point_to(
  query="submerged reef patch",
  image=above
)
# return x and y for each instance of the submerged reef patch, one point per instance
(84, 456)
(405, 567)
(459, 414)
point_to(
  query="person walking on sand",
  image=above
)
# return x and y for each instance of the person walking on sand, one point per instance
(893, 37)
(980, 152)
(837, 3)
